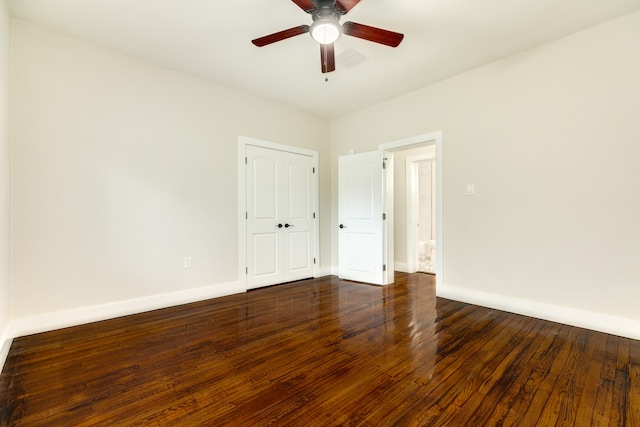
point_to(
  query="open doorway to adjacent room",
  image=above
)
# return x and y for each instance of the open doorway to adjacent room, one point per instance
(421, 212)
(415, 209)
(416, 199)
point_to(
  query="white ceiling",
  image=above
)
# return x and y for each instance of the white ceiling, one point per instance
(211, 39)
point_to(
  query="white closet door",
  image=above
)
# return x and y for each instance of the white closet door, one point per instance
(298, 217)
(360, 209)
(280, 229)
(264, 209)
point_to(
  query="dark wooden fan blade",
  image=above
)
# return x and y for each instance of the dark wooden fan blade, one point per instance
(281, 35)
(345, 6)
(327, 58)
(306, 5)
(373, 34)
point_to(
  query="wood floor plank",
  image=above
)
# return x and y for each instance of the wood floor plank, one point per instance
(510, 393)
(604, 395)
(323, 352)
(561, 405)
(593, 384)
(544, 375)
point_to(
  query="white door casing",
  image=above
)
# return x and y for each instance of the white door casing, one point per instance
(360, 215)
(388, 197)
(279, 216)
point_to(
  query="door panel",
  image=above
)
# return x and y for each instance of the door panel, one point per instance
(360, 185)
(359, 260)
(299, 257)
(299, 191)
(264, 171)
(360, 191)
(265, 259)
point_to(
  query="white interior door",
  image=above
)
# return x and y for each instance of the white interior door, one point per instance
(264, 209)
(280, 229)
(360, 215)
(298, 217)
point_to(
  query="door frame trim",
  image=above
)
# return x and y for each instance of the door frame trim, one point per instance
(433, 138)
(243, 141)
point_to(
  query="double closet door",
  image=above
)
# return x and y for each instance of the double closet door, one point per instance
(280, 216)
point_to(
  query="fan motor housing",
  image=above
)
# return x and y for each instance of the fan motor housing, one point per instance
(326, 13)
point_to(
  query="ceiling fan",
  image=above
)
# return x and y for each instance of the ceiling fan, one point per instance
(326, 29)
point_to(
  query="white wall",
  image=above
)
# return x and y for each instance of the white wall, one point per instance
(122, 168)
(551, 139)
(5, 293)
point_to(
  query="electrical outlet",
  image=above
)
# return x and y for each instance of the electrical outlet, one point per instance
(471, 189)
(187, 262)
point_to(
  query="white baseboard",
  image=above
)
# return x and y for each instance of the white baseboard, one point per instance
(569, 316)
(401, 266)
(61, 319)
(5, 344)
(324, 271)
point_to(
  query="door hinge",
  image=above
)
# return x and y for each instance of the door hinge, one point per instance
(314, 170)
(314, 215)
(384, 216)
(384, 267)
(246, 215)
(246, 161)
(246, 270)
(384, 165)
(314, 260)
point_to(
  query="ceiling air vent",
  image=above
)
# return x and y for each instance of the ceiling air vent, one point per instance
(350, 58)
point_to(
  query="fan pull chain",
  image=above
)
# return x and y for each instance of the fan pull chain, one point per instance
(325, 64)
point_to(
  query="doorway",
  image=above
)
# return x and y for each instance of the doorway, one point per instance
(435, 141)
(421, 212)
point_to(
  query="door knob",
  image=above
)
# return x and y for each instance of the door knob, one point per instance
(279, 226)
(288, 225)
(343, 226)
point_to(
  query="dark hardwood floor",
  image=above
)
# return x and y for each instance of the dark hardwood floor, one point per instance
(323, 352)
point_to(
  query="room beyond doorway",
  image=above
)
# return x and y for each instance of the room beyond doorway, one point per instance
(415, 209)
(421, 213)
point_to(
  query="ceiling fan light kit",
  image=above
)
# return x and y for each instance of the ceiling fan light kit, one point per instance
(326, 29)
